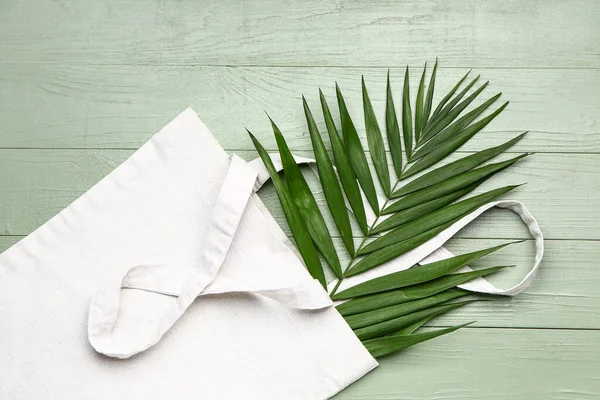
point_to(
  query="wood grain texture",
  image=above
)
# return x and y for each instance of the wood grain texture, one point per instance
(536, 33)
(48, 106)
(559, 297)
(84, 83)
(489, 364)
(567, 184)
(37, 184)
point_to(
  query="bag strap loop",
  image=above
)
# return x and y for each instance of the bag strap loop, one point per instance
(433, 249)
(187, 284)
(241, 182)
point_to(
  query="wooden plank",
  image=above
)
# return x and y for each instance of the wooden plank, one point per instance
(561, 191)
(489, 364)
(540, 33)
(558, 364)
(107, 74)
(39, 183)
(46, 106)
(31, 196)
(7, 241)
(564, 294)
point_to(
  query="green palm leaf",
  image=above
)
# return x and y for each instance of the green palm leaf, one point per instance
(411, 293)
(443, 102)
(451, 145)
(454, 168)
(420, 210)
(331, 187)
(450, 131)
(452, 110)
(356, 154)
(436, 218)
(344, 168)
(392, 325)
(407, 133)
(429, 99)
(383, 255)
(307, 205)
(392, 129)
(294, 218)
(391, 344)
(383, 314)
(414, 275)
(411, 328)
(375, 142)
(419, 106)
(450, 185)
(396, 304)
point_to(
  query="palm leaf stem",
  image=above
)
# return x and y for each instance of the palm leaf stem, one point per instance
(363, 242)
(424, 213)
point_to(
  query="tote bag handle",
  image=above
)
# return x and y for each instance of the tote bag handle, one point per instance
(433, 249)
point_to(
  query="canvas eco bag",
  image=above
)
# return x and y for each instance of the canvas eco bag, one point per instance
(174, 246)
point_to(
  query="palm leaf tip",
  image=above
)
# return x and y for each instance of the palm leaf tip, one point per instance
(397, 304)
(383, 314)
(448, 96)
(429, 99)
(407, 129)
(416, 274)
(411, 328)
(453, 110)
(390, 326)
(356, 153)
(451, 185)
(449, 129)
(375, 142)
(331, 188)
(391, 344)
(437, 219)
(392, 129)
(454, 168)
(344, 168)
(453, 144)
(423, 290)
(419, 105)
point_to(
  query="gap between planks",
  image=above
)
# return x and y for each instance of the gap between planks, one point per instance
(275, 66)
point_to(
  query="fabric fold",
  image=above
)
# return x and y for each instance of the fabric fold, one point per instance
(196, 262)
(252, 315)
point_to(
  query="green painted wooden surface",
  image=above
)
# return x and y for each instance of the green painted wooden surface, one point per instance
(84, 83)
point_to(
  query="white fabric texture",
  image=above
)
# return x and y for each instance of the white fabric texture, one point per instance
(155, 212)
(240, 182)
(188, 283)
(177, 221)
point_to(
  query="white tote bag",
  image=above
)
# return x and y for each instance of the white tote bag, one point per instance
(85, 297)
